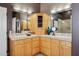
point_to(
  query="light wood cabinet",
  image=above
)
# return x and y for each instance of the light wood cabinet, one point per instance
(35, 45)
(28, 47)
(55, 51)
(34, 23)
(45, 45)
(65, 48)
(54, 47)
(17, 48)
(60, 48)
(21, 47)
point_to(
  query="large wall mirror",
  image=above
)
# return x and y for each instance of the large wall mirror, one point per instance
(62, 21)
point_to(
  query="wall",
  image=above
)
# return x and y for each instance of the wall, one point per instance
(9, 20)
(9, 14)
(75, 29)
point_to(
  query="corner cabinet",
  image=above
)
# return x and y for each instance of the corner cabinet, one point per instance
(39, 23)
(28, 47)
(35, 45)
(45, 46)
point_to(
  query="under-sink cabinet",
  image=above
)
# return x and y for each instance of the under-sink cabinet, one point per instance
(20, 47)
(65, 48)
(17, 48)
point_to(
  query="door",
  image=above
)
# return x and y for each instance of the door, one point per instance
(67, 51)
(3, 30)
(19, 50)
(28, 47)
(55, 51)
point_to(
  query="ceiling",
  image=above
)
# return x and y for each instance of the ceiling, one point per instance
(40, 7)
(34, 7)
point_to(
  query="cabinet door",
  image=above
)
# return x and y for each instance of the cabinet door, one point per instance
(35, 41)
(45, 51)
(45, 42)
(67, 51)
(54, 47)
(65, 48)
(35, 51)
(45, 45)
(62, 50)
(35, 45)
(28, 47)
(55, 51)
(19, 50)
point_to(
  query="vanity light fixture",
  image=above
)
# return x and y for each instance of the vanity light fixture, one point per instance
(53, 11)
(59, 9)
(29, 11)
(56, 10)
(24, 10)
(17, 8)
(67, 6)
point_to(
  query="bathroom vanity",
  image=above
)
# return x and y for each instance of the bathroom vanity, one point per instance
(22, 45)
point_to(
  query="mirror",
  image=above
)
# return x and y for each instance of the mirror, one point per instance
(62, 21)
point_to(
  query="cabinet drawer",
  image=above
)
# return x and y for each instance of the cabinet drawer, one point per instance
(45, 39)
(35, 51)
(35, 42)
(65, 43)
(45, 44)
(18, 42)
(28, 41)
(45, 51)
(35, 47)
(39, 31)
(47, 48)
(35, 39)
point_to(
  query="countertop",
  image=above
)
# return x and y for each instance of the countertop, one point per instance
(60, 36)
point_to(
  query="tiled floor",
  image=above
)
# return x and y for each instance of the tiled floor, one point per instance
(39, 55)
